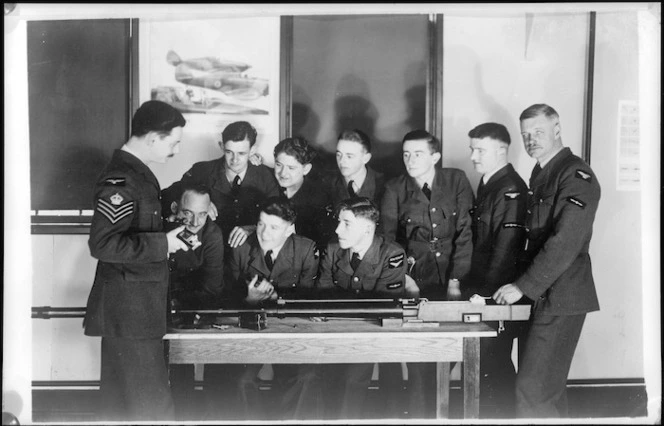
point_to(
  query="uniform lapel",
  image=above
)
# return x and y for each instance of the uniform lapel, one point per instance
(257, 261)
(369, 184)
(221, 183)
(285, 257)
(343, 261)
(415, 192)
(437, 188)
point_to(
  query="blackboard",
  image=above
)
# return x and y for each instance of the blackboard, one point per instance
(79, 99)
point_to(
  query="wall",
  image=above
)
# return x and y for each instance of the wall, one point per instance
(360, 72)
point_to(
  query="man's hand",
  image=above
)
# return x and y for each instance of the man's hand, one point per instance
(412, 290)
(507, 294)
(212, 212)
(256, 159)
(258, 292)
(453, 290)
(174, 243)
(239, 235)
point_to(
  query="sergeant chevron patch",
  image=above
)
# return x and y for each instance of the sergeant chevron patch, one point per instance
(577, 202)
(114, 213)
(395, 261)
(584, 175)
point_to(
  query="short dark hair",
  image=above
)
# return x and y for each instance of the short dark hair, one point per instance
(360, 207)
(538, 109)
(491, 130)
(358, 136)
(197, 188)
(280, 207)
(239, 131)
(296, 147)
(434, 143)
(156, 116)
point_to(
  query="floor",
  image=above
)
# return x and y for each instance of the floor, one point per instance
(596, 401)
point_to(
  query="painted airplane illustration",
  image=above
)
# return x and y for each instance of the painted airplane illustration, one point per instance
(193, 100)
(221, 75)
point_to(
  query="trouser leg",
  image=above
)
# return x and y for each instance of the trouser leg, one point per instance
(301, 390)
(542, 378)
(140, 383)
(497, 375)
(421, 390)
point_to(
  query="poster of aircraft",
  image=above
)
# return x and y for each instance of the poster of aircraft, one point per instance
(215, 71)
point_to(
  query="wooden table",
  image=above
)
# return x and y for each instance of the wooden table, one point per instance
(337, 341)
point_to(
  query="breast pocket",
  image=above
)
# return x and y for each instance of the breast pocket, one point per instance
(541, 208)
(149, 215)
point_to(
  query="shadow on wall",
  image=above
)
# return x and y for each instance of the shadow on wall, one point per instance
(306, 124)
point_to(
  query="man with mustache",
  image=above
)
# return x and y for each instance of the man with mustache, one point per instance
(563, 199)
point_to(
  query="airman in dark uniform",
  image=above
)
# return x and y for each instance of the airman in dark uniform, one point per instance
(360, 265)
(237, 187)
(128, 302)
(274, 262)
(354, 177)
(309, 197)
(498, 236)
(563, 199)
(427, 210)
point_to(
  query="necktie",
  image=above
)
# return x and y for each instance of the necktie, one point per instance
(536, 170)
(351, 190)
(480, 188)
(235, 188)
(355, 261)
(268, 260)
(426, 191)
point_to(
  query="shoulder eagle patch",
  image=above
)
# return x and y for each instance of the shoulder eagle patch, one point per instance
(395, 261)
(512, 195)
(115, 181)
(512, 225)
(584, 175)
(576, 202)
(393, 286)
(115, 210)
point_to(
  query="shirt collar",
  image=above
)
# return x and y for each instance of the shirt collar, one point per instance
(427, 179)
(358, 178)
(362, 250)
(276, 250)
(230, 175)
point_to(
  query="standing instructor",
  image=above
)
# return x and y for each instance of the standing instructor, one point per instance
(127, 305)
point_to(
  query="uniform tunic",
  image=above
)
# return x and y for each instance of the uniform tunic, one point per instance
(313, 206)
(372, 187)
(127, 303)
(239, 209)
(380, 273)
(292, 274)
(563, 200)
(128, 297)
(498, 224)
(436, 233)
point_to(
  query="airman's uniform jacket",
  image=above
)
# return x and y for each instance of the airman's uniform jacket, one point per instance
(436, 233)
(239, 209)
(292, 274)
(499, 232)
(562, 203)
(381, 271)
(129, 294)
(372, 187)
(197, 275)
(313, 206)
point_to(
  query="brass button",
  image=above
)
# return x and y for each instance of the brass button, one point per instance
(434, 225)
(356, 279)
(437, 254)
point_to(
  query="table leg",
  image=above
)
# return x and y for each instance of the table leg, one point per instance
(442, 390)
(471, 377)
